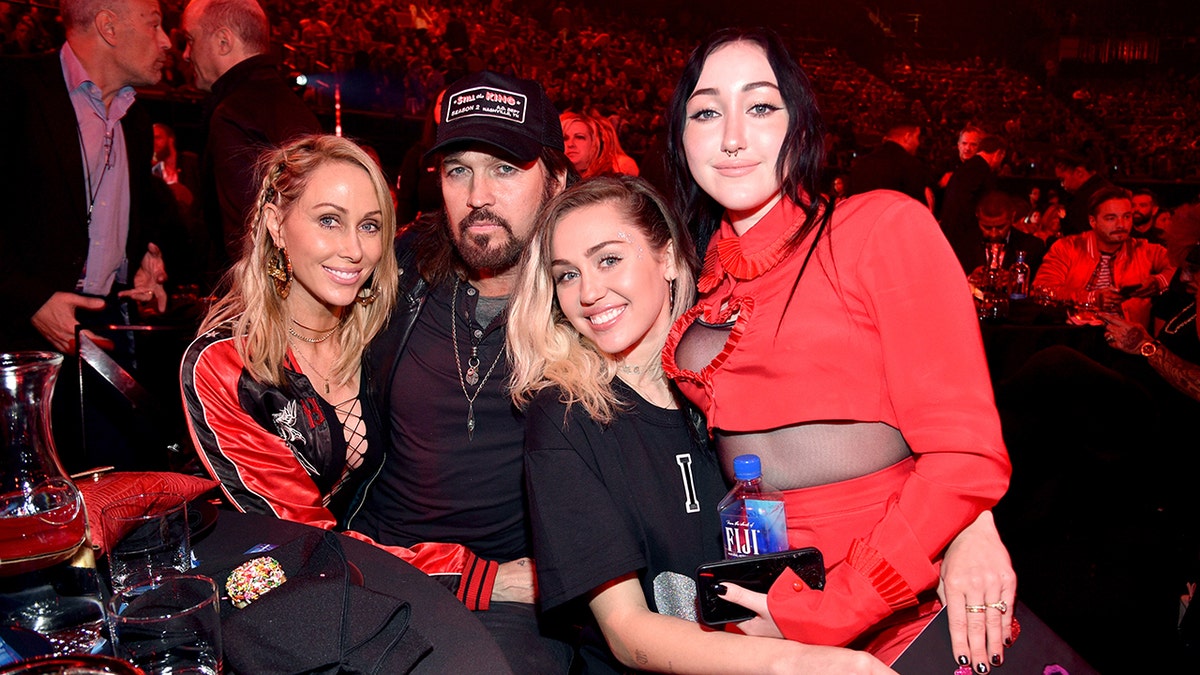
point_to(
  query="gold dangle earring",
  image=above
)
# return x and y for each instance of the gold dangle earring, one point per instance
(279, 268)
(366, 295)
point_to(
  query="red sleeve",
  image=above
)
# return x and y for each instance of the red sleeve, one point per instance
(1052, 273)
(259, 473)
(936, 372)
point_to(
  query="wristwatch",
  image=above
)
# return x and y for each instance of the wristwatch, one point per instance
(1148, 348)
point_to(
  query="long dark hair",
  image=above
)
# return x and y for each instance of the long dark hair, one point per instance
(801, 158)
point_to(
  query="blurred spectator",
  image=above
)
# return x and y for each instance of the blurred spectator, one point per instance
(584, 146)
(1145, 212)
(251, 109)
(975, 178)
(1079, 172)
(996, 215)
(611, 144)
(894, 166)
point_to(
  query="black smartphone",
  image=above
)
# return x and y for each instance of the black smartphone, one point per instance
(755, 573)
(1129, 290)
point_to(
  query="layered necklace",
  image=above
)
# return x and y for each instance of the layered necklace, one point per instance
(471, 376)
(324, 335)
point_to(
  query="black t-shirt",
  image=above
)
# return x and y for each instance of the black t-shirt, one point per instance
(636, 495)
(437, 484)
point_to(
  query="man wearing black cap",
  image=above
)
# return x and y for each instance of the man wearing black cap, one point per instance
(453, 473)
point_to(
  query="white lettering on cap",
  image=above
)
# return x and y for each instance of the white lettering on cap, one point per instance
(487, 102)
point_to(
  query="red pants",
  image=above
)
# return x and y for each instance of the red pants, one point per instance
(830, 517)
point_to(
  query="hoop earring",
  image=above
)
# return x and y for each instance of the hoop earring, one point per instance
(279, 268)
(366, 295)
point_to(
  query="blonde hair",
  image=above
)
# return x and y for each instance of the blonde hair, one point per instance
(258, 314)
(605, 161)
(543, 347)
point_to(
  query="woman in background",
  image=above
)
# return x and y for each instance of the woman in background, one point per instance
(584, 145)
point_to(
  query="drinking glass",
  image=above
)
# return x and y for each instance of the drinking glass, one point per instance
(168, 625)
(146, 535)
(1084, 309)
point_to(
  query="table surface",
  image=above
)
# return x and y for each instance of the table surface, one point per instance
(1028, 329)
(460, 642)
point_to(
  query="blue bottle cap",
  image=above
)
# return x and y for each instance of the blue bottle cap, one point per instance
(747, 467)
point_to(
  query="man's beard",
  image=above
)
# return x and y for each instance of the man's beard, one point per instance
(481, 252)
(1140, 221)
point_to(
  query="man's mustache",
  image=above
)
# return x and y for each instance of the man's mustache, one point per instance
(483, 216)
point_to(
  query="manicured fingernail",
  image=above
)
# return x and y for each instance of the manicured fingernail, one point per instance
(720, 589)
(981, 668)
(963, 660)
(996, 660)
(1008, 642)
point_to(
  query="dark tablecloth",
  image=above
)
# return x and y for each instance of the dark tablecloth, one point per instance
(460, 642)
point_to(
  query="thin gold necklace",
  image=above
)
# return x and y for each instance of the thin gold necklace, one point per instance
(1176, 322)
(308, 363)
(312, 341)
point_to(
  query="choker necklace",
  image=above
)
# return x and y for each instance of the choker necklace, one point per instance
(472, 375)
(308, 363)
(312, 341)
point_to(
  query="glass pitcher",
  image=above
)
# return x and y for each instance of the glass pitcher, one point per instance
(51, 600)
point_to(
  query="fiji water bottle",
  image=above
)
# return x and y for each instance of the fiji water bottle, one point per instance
(752, 519)
(1020, 278)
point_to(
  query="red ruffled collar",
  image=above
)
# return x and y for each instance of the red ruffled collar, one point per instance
(754, 253)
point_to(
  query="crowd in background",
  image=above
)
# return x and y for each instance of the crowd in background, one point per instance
(394, 57)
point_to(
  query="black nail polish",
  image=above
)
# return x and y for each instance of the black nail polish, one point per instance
(1008, 642)
(963, 660)
(996, 659)
(981, 668)
(720, 589)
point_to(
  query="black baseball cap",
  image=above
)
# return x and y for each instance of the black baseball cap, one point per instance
(508, 113)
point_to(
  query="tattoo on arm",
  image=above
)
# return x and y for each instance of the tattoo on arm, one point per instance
(641, 657)
(1181, 374)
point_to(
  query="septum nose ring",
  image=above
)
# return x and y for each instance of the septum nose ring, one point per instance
(730, 153)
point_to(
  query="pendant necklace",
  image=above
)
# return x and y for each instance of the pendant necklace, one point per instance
(308, 363)
(471, 376)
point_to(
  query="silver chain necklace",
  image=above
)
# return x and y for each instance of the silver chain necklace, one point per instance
(472, 374)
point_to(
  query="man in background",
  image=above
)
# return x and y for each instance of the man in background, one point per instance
(1079, 172)
(894, 166)
(1145, 212)
(251, 109)
(84, 216)
(1123, 272)
(996, 213)
(975, 178)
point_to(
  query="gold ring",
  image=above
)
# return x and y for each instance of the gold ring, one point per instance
(977, 609)
(1002, 606)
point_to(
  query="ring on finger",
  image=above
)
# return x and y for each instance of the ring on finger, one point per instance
(977, 609)
(1002, 606)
